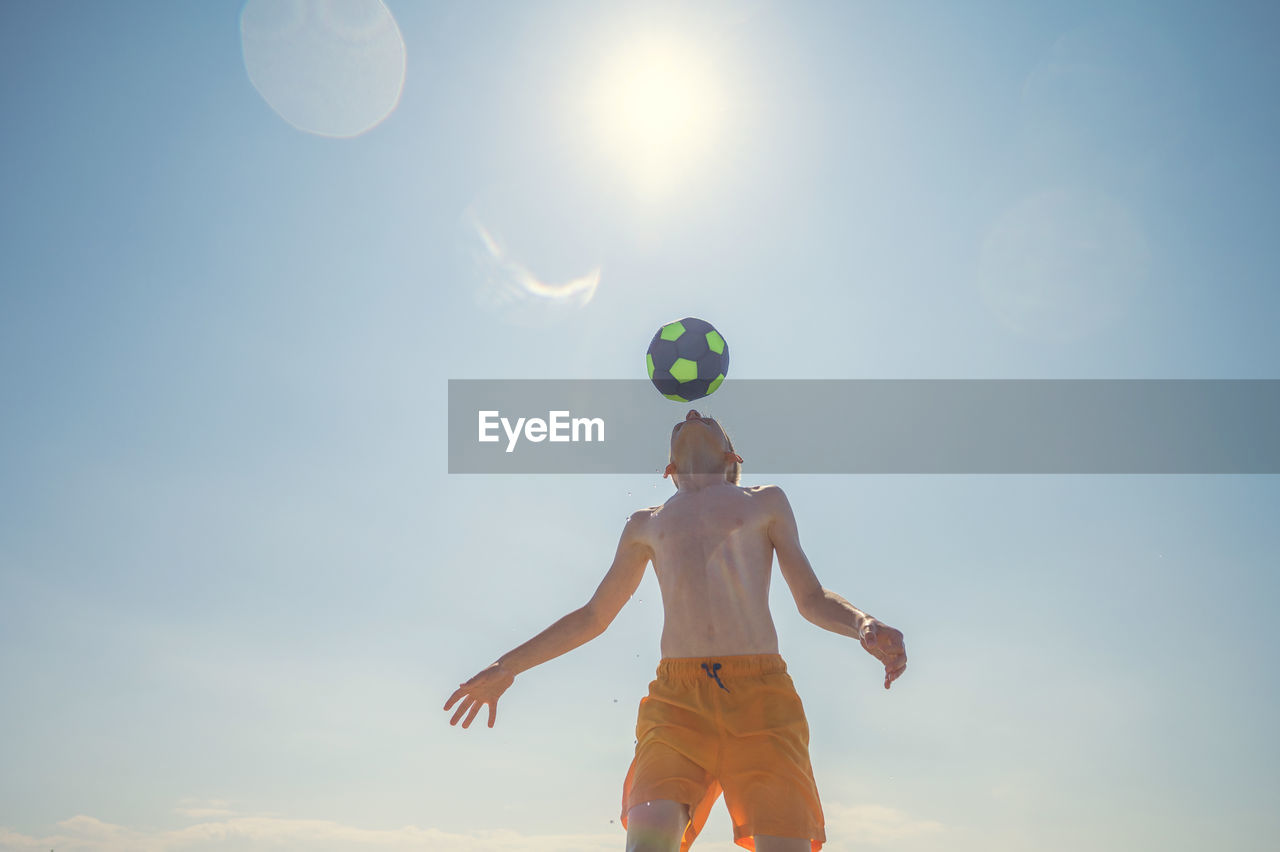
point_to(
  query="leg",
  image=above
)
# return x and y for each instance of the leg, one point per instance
(767, 777)
(657, 826)
(769, 843)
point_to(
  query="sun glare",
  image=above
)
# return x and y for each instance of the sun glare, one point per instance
(655, 111)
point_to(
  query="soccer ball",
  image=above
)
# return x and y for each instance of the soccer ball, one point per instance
(687, 359)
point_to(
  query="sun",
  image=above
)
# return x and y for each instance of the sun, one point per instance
(655, 112)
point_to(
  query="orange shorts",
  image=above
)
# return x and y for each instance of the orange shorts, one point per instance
(733, 724)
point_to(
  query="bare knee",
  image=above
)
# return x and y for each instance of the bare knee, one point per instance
(656, 826)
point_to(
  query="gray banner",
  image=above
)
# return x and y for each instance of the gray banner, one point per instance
(876, 426)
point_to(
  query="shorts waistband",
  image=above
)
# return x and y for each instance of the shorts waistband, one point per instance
(735, 665)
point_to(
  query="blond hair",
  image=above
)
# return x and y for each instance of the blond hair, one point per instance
(733, 473)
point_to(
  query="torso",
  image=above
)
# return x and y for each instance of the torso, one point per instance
(713, 557)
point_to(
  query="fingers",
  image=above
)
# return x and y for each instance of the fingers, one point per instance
(886, 645)
(473, 694)
(462, 709)
(470, 708)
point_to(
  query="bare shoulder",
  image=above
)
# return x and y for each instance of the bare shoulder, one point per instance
(768, 491)
(772, 497)
(775, 509)
(639, 526)
(766, 503)
(641, 519)
(646, 515)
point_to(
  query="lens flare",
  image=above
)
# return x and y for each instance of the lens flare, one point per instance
(508, 288)
(328, 67)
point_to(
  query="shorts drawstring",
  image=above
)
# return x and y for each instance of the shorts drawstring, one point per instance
(714, 672)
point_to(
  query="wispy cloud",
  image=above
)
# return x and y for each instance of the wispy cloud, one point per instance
(245, 833)
(221, 829)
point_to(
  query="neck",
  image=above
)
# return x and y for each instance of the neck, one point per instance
(698, 470)
(692, 482)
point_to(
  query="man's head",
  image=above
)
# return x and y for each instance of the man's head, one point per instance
(700, 445)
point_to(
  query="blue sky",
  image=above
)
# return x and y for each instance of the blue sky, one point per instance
(237, 583)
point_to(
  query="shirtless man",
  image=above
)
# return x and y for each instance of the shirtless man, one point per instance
(722, 714)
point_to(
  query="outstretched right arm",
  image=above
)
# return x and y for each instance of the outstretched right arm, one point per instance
(824, 607)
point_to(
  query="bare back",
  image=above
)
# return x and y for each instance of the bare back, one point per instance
(713, 556)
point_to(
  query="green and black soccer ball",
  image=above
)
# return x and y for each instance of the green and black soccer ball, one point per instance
(687, 359)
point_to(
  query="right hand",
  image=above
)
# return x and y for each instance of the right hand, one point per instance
(485, 688)
(886, 645)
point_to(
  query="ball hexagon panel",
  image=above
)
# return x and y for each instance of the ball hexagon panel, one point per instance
(687, 359)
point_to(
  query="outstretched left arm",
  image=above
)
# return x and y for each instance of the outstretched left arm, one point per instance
(578, 627)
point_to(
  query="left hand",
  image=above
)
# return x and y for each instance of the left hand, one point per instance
(886, 645)
(485, 688)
